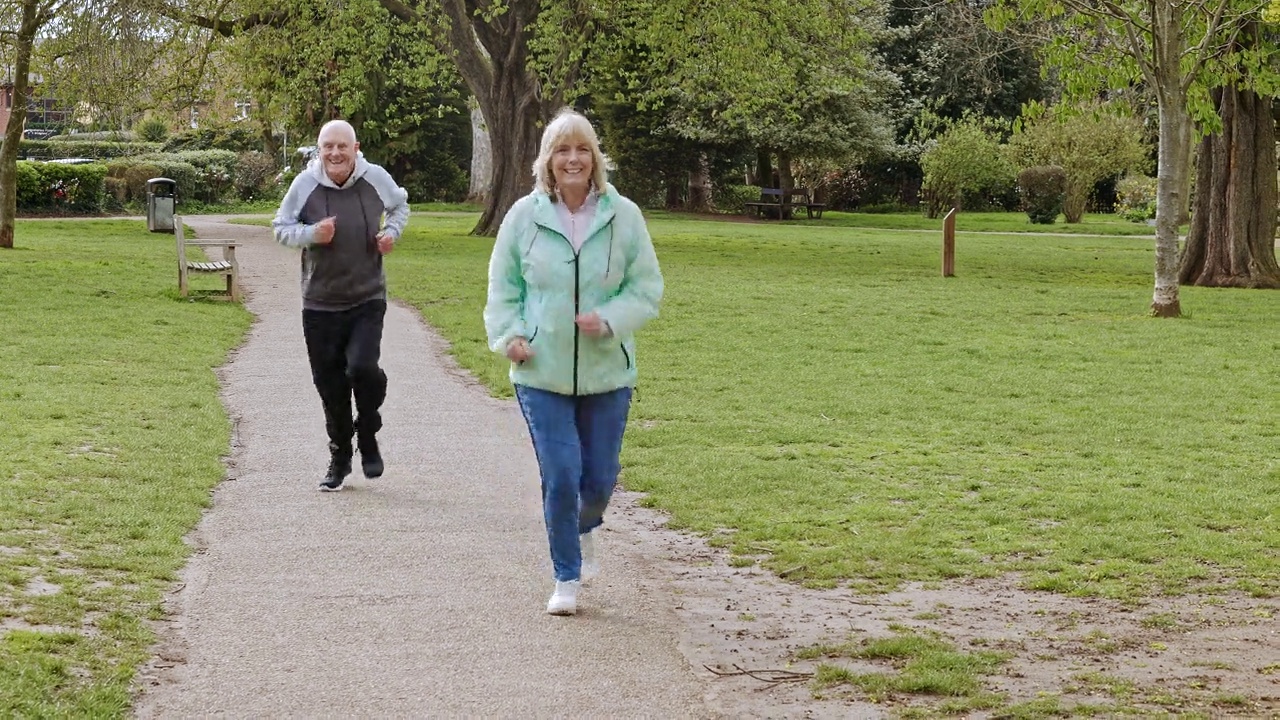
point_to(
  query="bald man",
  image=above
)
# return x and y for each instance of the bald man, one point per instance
(345, 214)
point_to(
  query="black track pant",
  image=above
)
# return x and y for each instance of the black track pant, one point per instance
(344, 347)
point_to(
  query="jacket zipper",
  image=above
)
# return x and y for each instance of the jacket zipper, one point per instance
(576, 330)
(577, 268)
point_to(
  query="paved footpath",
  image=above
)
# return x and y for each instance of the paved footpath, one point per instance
(418, 594)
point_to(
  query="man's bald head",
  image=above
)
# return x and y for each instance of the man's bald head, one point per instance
(338, 148)
(336, 129)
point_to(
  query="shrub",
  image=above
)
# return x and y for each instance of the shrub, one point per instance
(153, 129)
(1091, 146)
(119, 136)
(1136, 198)
(30, 189)
(235, 138)
(1043, 188)
(843, 189)
(135, 179)
(74, 188)
(186, 175)
(65, 188)
(965, 161)
(729, 198)
(204, 175)
(254, 174)
(117, 192)
(216, 170)
(447, 183)
(98, 149)
(206, 158)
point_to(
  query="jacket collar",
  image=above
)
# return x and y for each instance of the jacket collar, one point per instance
(544, 211)
(316, 168)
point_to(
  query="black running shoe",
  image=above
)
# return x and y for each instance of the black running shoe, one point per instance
(370, 459)
(339, 469)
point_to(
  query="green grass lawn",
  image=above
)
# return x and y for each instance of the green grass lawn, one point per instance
(1003, 222)
(853, 418)
(113, 439)
(849, 417)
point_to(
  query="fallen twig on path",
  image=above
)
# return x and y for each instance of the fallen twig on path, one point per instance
(791, 570)
(769, 676)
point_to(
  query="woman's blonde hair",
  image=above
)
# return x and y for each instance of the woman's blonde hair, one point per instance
(568, 125)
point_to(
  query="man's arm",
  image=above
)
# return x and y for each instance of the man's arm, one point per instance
(288, 227)
(395, 201)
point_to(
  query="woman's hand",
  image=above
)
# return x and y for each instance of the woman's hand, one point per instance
(592, 325)
(518, 349)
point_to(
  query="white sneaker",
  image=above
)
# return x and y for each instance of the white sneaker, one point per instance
(590, 560)
(564, 601)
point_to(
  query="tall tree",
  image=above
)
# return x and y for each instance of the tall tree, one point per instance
(795, 80)
(1175, 47)
(1231, 242)
(520, 59)
(24, 19)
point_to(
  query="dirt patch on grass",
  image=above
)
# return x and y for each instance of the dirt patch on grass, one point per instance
(1214, 655)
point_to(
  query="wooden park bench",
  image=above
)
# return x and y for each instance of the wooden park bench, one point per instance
(777, 204)
(226, 266)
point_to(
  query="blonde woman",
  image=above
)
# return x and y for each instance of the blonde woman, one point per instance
(572, 277)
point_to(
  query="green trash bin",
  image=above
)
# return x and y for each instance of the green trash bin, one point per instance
(162, 195)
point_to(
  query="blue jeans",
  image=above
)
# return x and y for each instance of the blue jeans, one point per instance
(577, 440)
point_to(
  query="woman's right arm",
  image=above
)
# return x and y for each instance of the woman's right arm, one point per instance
(504, 308)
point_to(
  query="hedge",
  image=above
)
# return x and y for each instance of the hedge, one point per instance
(61, 188)
(209, 176)
(99, 136)
(95, 149)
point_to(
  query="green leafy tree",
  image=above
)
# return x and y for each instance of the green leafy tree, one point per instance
(22, 21)
(795, 81)
(1090, 144)
(966, 159)
(360, 63)
(1178, 49)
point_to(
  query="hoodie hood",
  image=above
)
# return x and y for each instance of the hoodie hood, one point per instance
(316, 168)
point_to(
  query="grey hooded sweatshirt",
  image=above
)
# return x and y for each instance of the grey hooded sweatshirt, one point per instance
(348, 271)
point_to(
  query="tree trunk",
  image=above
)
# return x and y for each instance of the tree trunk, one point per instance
(17, 121)
(481, 158)
(1232, 238)
(492, 55)
(700, 186)
(1174, 157)
(1074, 201)
(764, 167)
(786, 181)
(513, 134)
(270, 145)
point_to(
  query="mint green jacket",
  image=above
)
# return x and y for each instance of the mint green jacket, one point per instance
(537, 285)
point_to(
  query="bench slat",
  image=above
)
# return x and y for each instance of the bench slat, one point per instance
(217, 266)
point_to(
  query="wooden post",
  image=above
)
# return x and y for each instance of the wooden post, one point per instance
(949, 244)
(182, 255)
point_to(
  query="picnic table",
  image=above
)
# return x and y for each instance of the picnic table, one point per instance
(777, 203)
